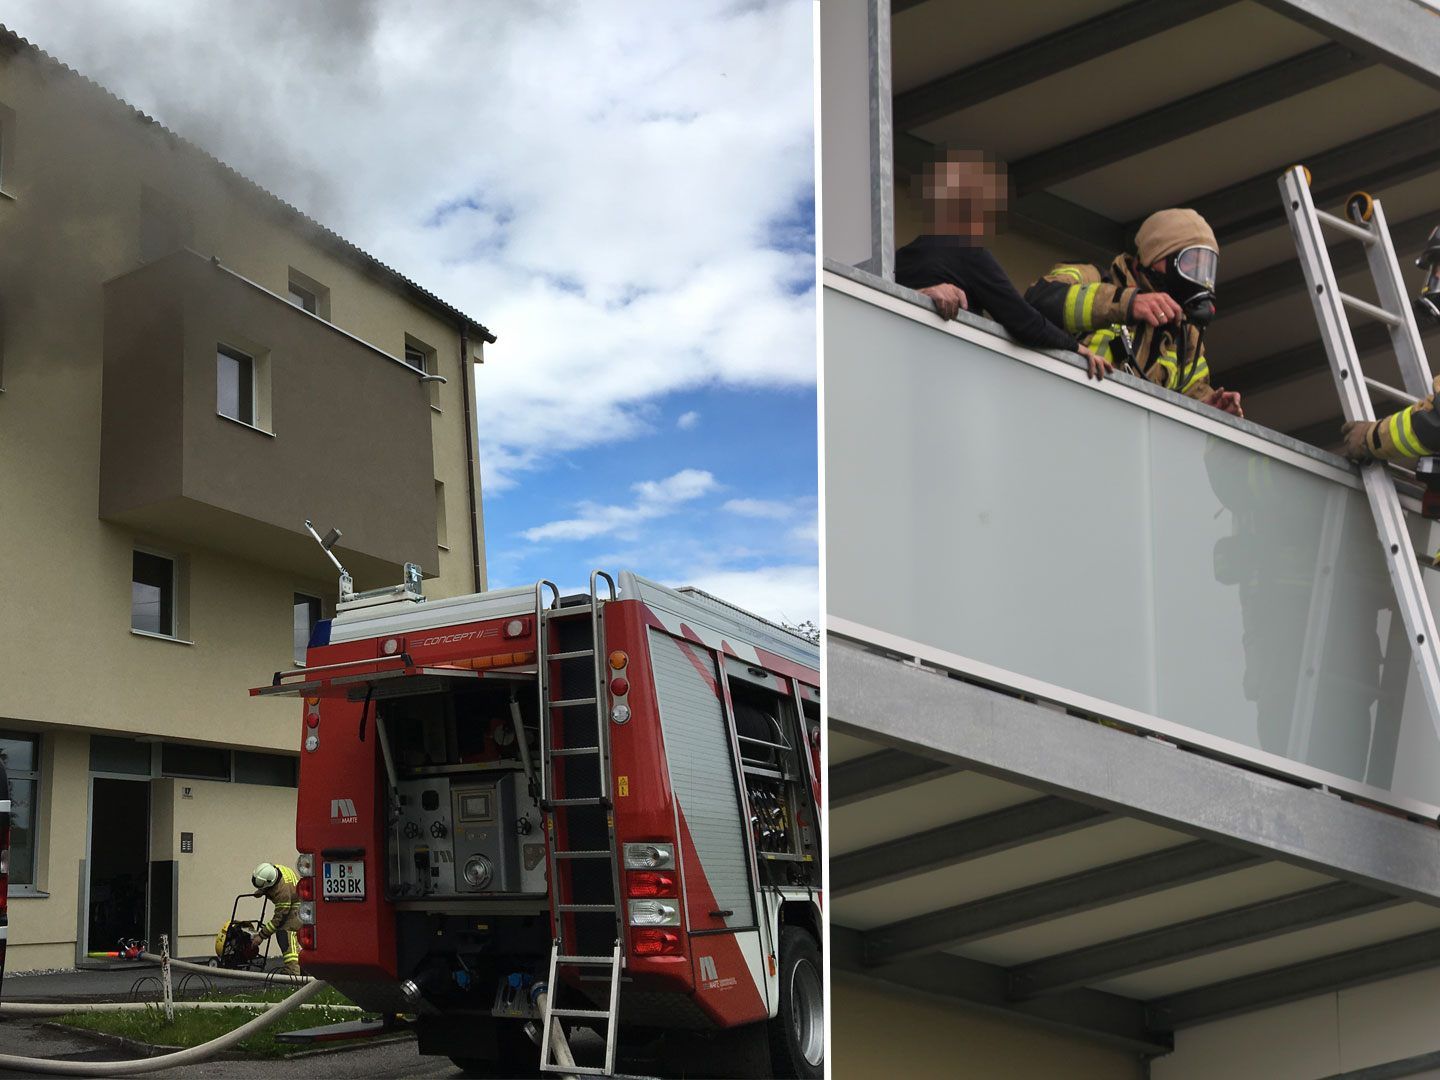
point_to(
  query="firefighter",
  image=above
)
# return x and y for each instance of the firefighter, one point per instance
(1166, 290)
(1413, 432)
(281, 886)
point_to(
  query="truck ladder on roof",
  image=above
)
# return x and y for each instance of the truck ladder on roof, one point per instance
(580, 823)
(1367, 224)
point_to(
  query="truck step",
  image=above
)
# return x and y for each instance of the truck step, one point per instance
(591, 801)
(587, 961)
(597, 854)
(585, 907)
(566, 703)
(587, 1014)
(573, 654)
(574, 751)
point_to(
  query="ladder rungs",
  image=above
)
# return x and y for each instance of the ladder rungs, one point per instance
(576, 1070)
(598, 854)
(587, 961)
(574, 751)
(585, 907)
(1391, 391)
(1339, 224)
(571, 655)
(587, 1014)
(565, 703)
(1379, 314)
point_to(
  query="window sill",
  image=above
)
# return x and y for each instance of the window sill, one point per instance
(443, 547)
(160, 637)
(437, 409)
(7, 195)
(27, 892)
(250, 427)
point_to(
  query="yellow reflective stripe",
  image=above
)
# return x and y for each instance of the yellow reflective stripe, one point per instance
(1409, 429)
(1172, 374)
(1072, 308)
(1198, 372)
(1100, 342)
(1089, 310)
(1067, 272)
(1397, 437)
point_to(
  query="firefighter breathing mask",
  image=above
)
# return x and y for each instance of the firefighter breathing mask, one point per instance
(1190, 280)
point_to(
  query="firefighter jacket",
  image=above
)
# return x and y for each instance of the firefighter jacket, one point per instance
(1412, 432)
(1096, 306)
(285, 895)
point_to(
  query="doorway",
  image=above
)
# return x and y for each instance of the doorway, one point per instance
(118, 861)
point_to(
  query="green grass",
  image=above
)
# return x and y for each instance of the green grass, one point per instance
(194, 1026)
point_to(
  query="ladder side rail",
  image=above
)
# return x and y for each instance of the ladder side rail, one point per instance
(612, 1025)
(1385, 268)
(548, 1019)
(602, 739)
(1405, 577)
(1325, 296)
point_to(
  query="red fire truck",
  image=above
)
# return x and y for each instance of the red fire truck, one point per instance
(521, 814)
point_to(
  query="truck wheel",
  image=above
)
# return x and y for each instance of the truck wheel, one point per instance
(797, 1034)
(518, 1056)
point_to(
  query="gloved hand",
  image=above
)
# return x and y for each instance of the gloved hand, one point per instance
(1356, 446)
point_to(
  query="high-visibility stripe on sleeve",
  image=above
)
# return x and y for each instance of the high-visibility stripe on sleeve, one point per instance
(1067, 272)
(1402, 434)
(1088, 312)
(1072, 308)
(1408, 426)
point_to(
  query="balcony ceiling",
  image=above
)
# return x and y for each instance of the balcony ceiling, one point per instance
(1106, 111)
(1030, 862)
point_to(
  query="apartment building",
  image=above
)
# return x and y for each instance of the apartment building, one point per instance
(189, 369)
(1130, 771)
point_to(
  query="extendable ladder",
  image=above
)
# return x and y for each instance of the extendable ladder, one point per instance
(1365, 222)
(579, 813)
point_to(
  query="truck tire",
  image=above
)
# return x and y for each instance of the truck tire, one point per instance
(518, 1056)
(797, 1034)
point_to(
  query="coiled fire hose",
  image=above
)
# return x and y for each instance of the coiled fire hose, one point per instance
(167, 1061)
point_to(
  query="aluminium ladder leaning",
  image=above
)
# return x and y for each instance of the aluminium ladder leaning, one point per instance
(1367, 224)
(584, 873)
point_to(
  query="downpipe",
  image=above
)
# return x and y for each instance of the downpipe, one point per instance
(189, 1056)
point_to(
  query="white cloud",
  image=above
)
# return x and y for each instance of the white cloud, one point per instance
(770, 509)
(654, 499)
(687, 420)
(603, 191)
(779, 593)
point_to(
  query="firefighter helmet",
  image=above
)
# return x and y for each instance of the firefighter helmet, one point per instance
(264, 877)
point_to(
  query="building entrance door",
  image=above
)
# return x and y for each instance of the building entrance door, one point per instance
(118, 862)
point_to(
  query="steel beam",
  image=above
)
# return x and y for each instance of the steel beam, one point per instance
(1398, 33)
(1196, 937)
(1109, 1018)
(1186, 116)
(1056, 899)
(1305, 979)
(957, 842)
(875, 774)
(1045, 56)
(1307, 358)
(883, 700)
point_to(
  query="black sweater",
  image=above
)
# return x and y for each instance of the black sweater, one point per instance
(935, 260)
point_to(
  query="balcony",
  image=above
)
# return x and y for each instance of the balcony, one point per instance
(340, 432)
(1100, 661)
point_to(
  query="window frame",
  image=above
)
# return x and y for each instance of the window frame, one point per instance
(175, 615)
(238, 355)
(429, 365)
(318, 291)
(31, 887)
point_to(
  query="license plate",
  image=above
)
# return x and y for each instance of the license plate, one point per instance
(343, 880)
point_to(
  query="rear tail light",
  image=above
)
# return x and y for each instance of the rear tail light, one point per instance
(307, 913)
(648, 943)
(307, 937)
(619, 686)
(654, 913)
(305, 864)
(306, 888)
(649, 856)
(652, 883)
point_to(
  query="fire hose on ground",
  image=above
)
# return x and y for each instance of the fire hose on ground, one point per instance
(189, 1056)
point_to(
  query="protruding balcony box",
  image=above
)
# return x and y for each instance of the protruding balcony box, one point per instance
(1114, 548)
(343, 433)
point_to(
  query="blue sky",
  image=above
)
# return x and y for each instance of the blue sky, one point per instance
(623, 192)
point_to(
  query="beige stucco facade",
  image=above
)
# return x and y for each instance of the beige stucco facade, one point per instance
(91, 195)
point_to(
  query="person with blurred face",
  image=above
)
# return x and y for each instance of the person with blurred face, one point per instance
(963, 194)
(1149, 313)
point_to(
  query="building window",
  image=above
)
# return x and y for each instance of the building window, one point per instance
(275, 770)
(235, 385)
(21, 757)
(152, 594)
(198, 762)
(422, 358)
(307, 614)
(441, 537)
(308, 294)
